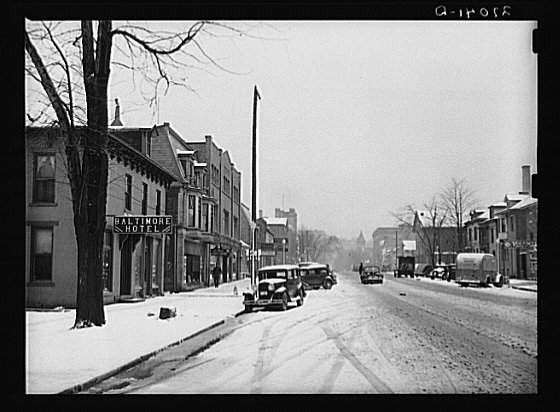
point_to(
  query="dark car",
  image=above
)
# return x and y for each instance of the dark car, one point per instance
(371, 274)
(317, 275)
(422, 269)
(278, 286)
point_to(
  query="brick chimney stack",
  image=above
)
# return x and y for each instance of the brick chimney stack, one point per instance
(526, 180)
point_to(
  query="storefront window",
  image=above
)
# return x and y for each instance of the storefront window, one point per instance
(190, 212)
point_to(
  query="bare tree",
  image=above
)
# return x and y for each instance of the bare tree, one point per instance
(316, 245)
(72, 66)
(458, 199)
(426, 227)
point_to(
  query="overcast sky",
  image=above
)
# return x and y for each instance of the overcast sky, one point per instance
(358, 119)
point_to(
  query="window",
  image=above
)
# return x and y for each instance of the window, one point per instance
(41, 254)
(213, 215)
(148, 145)
(470, 234)
(503, 221)
(226, 223)
(475, 230)
(44, 179)
(108, 261)
(144, 198)
(235, 231)
(205, 224)
(511, 226)
(190, 217)
(158, 202)
(226, 185)
(128, 193)
(492, 235)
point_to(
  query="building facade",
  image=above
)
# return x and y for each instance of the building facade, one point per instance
(224, 185)
(133, 264)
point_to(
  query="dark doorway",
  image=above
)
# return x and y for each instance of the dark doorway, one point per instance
(148, 266)
(127, 246)
(225, 269)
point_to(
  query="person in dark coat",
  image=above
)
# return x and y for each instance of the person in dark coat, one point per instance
(216, 273)
(361, 268)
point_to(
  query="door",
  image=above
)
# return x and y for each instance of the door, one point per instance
(126, 264)
(148, 266)
(292, 282)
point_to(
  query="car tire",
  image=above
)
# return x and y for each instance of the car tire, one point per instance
(300, 300)
(284, 304)
(500, 283)
(327, 284)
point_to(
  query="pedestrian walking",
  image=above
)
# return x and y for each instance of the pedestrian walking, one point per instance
(361, 268)
(216, 273)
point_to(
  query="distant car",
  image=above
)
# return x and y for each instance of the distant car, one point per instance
(371, 274)
(439, 272)
(317, 275)
(278, 286)
(422, 269)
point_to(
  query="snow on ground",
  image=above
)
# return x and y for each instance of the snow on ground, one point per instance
(58, 357)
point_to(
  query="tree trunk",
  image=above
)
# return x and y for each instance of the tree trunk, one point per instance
(90, 207)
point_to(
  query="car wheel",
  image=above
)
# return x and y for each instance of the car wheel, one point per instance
(284, 304)
(486, 283)
(248, 309)
(300, 300)
(327, 284)
(500, 283)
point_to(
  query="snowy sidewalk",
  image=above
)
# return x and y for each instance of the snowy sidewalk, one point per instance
(521, 284)
(59, 358)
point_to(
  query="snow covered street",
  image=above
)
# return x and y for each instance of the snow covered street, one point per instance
(402, 336)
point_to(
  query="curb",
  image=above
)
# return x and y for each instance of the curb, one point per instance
(92, 382)
(524, 288)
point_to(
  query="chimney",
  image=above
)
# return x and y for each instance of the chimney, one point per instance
(117, 121)
(526, 180)
(260, 214)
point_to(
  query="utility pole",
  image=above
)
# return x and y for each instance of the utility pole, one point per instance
(396, 250)
(256, 96)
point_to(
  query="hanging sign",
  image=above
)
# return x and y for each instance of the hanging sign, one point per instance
(142, 224)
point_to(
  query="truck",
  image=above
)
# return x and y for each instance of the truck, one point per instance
(477, 269)
(405, 266)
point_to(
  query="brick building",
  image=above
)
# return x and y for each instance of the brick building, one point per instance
(133, 264)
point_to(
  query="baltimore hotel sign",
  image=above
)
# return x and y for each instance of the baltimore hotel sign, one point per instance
(142, 224)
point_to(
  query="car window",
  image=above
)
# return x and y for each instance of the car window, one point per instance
(323, 272)
(271, 274)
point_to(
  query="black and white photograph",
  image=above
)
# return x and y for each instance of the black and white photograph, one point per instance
(282, 206)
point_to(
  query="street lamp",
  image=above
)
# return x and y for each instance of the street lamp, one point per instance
(256, 95)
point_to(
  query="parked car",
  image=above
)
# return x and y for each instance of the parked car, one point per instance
(371, 274)
(439, 272)
(477, 268)
(422, 269)
(277, 287)
(317, 275)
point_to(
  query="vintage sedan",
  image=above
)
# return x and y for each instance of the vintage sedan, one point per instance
(440, 271)
(317, 275)
(277, 287)
(371, 274)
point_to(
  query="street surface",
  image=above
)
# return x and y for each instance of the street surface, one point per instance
(402, 336)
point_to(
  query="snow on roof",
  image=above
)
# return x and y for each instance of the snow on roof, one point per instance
(515, 197)
(278, 267)
(524, 203)
(185, 152)
(499, 204)
(276, 220)
(245, 245)
(196, 164)
(409, 244)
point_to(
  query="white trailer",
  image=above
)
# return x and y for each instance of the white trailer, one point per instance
(477, 268)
